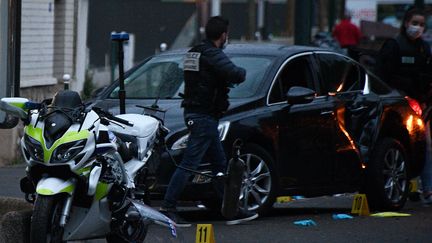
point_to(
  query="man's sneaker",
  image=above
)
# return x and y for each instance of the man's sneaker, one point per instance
(172, 214)
(243, 217)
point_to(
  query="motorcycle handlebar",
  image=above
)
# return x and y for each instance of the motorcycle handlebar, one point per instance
(109, 116)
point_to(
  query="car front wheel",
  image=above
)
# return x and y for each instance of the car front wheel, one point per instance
(259, 180)
(387, 183)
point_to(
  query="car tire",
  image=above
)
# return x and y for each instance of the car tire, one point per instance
(387, 183)
(260, 179)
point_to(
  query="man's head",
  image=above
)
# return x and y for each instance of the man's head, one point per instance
(347, 14)
(216, 30)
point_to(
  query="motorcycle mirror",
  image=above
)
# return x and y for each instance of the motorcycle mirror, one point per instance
(7, 121)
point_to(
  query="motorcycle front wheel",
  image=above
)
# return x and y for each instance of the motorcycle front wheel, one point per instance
(45, 221)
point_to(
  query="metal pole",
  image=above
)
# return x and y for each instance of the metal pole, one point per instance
(14, 46)
(17, 49)
(4, 17)
(120, 38)
(260, 18)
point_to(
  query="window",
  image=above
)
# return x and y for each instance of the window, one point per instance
(162, 76)
(339, 74)
(159, 77)
(296, 73)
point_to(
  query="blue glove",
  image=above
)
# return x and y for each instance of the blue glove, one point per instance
(307, 222)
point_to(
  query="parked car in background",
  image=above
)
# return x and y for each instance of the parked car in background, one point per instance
(313, 122)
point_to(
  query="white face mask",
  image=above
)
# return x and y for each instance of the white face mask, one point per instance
(414, 31)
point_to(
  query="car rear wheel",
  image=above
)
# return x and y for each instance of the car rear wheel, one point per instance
(387, 183)
(259, 180)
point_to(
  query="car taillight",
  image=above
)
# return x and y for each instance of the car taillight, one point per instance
(415, 105)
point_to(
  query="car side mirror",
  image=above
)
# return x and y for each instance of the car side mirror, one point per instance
(7, 121)
(300, 95)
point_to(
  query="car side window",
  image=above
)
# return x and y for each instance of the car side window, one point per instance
(297, 72)
(339, 74)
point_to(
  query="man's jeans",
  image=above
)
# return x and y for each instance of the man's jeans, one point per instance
(203, 140)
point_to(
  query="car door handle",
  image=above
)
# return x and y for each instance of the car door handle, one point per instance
(327, 112)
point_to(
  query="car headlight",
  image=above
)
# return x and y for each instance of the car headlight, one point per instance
(181, 143)
(33, 148)
(68, 151)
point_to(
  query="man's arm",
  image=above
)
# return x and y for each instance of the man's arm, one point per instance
(223, 66)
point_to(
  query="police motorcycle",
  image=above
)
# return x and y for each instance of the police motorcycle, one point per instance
(81, 177)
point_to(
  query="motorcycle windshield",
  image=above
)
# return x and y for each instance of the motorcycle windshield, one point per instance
(56, 124)
(155, 216)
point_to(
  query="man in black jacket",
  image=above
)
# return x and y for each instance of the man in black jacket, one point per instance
(208, 74)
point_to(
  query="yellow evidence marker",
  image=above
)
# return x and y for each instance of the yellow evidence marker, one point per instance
(205, 234)
(360, 205)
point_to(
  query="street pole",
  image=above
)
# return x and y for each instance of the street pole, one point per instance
(303, 23)
(17, 70)
(14, 45)
(120, 38)
(4, 39)
(262, 6)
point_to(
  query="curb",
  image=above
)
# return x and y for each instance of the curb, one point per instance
(15, 217)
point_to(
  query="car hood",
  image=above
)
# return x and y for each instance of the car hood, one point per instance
(174, 113)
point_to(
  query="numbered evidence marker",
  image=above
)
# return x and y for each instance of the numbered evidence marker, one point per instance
(360, 205)
(205, 234)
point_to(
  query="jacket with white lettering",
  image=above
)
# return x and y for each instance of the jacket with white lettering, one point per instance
(208, 74)
(405, 65)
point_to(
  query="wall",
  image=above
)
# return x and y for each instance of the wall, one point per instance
(37, 43)
(64, 26)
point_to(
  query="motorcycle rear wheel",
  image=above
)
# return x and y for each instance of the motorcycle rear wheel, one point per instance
(45, 226)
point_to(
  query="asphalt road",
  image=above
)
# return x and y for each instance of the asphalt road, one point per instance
(279, 225)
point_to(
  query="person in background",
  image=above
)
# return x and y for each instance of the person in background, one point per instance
(208, 75)
(347, 34)
(404, 63)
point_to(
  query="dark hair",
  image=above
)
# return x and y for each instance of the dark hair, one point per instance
(408, 16)
(215, 27)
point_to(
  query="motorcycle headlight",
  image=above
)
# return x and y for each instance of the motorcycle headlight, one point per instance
(33, 148)
(68, 151)
(181, 143)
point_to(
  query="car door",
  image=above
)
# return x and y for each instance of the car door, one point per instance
(342, 80)
(305, 131)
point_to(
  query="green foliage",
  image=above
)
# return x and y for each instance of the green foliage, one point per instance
(88, 86)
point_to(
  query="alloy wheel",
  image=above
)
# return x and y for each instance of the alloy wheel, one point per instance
(256, 183)
(395, 176)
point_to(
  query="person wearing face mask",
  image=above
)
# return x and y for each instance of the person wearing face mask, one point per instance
(209, 74)
(404, 63)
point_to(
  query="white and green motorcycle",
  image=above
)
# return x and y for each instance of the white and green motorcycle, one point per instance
(81, 177)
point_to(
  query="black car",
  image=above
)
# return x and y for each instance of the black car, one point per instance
(313, 122)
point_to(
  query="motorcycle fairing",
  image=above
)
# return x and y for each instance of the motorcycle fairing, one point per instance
(70, 136)
(148, 213)
(93, 222)
(51, 186)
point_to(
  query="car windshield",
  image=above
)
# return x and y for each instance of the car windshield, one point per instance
(162, 76)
